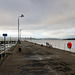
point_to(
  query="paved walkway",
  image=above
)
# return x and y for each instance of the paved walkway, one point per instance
(37, 60)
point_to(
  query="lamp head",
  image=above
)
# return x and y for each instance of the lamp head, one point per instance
(22, 15)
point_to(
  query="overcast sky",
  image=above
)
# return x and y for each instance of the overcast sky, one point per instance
(42, 18)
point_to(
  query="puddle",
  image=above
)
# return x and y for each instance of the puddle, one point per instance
(42, 57)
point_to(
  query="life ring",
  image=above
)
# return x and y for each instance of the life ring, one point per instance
(69, 44)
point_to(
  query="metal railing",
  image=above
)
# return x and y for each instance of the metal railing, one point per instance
(63, 46)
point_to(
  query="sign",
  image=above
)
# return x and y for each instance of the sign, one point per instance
(4, 34)
(69, 44)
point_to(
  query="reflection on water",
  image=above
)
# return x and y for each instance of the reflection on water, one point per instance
(7, 46)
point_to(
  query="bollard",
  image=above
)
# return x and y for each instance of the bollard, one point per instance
(41, 45)
(35, 43)
(19, 49)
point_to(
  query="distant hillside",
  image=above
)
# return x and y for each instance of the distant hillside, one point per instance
(48, 39)
(69, 39)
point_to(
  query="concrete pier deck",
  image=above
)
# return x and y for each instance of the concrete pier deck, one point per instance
(35, 59)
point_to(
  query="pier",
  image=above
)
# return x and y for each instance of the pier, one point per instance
(35, 59)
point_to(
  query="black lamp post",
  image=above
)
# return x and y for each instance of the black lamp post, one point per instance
(18, 28)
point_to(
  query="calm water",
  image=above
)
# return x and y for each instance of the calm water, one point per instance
(7, 46)
(61, 44)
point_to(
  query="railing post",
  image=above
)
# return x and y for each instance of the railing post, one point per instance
(64, 46)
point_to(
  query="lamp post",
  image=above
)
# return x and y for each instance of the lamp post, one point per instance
(20, 33)
(18, 27)
(19, 48)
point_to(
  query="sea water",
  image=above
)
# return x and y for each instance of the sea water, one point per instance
(7, 46)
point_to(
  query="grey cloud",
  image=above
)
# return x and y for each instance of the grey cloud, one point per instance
(38, 15)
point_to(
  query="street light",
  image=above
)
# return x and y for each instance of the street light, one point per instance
(20, 33)
(18, 27)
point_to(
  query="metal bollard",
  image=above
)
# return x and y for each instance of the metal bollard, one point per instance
(19, 49)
